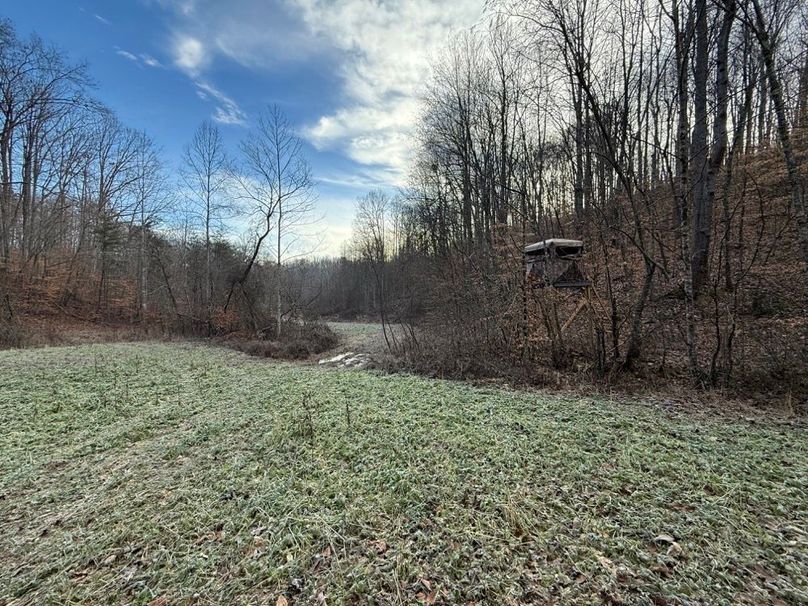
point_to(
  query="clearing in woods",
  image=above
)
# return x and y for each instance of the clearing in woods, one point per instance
(182, 474)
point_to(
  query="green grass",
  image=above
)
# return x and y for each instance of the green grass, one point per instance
(179, 474)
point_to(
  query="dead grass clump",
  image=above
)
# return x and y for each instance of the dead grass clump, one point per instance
(256, 347)
(314, 337)
(298, 341)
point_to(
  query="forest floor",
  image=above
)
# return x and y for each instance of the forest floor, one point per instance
(170, 473)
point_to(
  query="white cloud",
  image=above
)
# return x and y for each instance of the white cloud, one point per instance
(182, 7)
(189, 54)
(387, 48)
(371, 134)
(102, 19)
(258, 34)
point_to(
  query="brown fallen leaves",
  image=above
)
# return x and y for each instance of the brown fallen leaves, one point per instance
(427, 595)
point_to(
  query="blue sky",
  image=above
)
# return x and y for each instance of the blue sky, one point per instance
(347, 73)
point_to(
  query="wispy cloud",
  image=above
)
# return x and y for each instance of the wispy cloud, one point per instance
(382, 49)
(259, 34)
(191, 56)
(150, 61)
(142, 59)
(372, 134)
(102, 19)
(369, 178)
(227, 110)
(127, 55)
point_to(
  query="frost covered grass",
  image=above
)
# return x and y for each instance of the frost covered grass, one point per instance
(177, 474)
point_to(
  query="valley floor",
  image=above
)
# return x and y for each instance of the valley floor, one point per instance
(166, 474)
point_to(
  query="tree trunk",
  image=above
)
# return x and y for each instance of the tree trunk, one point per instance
(698, 150)
(278, 311)
(703, 217)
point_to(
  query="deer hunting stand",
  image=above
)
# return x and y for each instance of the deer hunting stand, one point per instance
(553, 263)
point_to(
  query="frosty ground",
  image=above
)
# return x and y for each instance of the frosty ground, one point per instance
(184, 474)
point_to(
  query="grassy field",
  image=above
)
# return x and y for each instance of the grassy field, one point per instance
(177, 474)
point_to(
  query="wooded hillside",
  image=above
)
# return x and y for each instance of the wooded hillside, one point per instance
(669, 137)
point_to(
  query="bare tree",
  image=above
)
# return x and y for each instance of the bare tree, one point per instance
(370, 239)
(207, 173)
(151, 199)
(277, 180)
